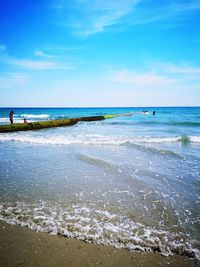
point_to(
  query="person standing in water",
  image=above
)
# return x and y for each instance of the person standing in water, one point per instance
(11, 116)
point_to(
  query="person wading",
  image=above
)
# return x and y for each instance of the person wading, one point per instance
(11, 116)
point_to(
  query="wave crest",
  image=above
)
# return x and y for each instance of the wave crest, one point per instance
(34, 116)
(94, 139)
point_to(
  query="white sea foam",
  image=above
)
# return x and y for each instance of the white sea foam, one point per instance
(195, 139)
(20, 119)
(89, 139)
(34, 116)
(4, 119)
(101, 227)
(7, 120)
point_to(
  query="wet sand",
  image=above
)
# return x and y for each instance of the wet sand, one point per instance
(21, 247)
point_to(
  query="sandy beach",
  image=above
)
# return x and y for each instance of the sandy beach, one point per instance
(22, 247)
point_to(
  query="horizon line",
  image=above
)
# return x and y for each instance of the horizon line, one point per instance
(185, 106)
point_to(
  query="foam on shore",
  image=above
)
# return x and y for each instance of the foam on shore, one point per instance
(98, 226)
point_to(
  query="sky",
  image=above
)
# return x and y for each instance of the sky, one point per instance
(98, 53)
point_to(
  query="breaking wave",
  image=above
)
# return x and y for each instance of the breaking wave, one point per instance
(93, 139)
(34, 116)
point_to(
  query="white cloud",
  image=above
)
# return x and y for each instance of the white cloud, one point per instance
(13, 80)
(36, 64)
(187, 6)
(42, 54)
(183, 69)
(142, 79)
(57, 50)
(157, 75)
(183, 72)
(88, 17)
(175, 13)
(93, 16)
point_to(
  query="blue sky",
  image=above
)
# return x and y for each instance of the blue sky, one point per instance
(73, 53)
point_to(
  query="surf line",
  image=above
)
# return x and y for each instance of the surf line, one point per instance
(54, 123)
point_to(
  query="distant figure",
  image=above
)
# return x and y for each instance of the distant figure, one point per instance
(25, 121)
(145, 112)
(11, 116)
(154, 113)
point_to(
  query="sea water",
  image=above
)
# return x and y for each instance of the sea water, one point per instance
(129, 182)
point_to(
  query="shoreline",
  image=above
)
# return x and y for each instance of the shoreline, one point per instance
(23, 247)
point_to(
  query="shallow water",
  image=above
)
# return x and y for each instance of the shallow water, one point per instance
(130, 182)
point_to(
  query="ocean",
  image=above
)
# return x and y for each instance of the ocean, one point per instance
(130, 182)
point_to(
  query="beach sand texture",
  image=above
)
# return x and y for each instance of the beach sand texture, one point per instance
(25, 248)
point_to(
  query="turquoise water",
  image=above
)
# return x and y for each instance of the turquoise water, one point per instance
(130, 182)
